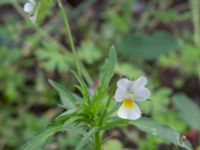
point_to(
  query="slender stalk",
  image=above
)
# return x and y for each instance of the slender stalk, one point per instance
(98, 141)
(79, 66)
(98, 136)
(195, 6)
(106, 107)
(69, 36)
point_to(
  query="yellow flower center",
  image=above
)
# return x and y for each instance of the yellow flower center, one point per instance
(128, 103)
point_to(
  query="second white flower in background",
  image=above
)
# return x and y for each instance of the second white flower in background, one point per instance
(128, 92)
(29, 7)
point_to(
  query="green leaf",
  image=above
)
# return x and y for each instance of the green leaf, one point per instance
(162, 131)
(89, 52)
(107, 73)
(188, 111)
(60, 124)
(129, 70)
(67, 97)
(114, 122)
(108, 69)
(38, 140)
(42, 9)
(53, 59)
(68, 112)
(147, 46)
(83, 88)
(85, 139)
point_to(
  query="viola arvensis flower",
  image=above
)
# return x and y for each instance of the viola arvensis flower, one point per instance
(29, 8)
(129, 92)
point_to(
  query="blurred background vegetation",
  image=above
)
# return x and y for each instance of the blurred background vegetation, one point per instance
(159, 39)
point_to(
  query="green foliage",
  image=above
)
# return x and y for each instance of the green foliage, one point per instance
(105, 77)
(166, 15)
(81, 116)
(158, 107)
(188, 111)
(97, 120)
(42, 9)
(26, 121)
(85, 138)
(89, 53)
(38, 140)
(67, 141)
(53, 59)
(118, 20)
(65, 123)
(147, 46)
(188, 56)
(30, 54)
(108, 69)
(83, 87)
(68, 100)
(157, 104)
(8, 59)
(163, 132)
(128, 70)
(148, 143)
(113, 144)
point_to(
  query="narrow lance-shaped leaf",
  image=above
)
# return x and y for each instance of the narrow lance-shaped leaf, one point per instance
(107, 73)
(108, 69)
(67, 97)
(42, 8)
(61, 124)
(85, 139)
(40, 139)
(162, 131)
(68, 112)
(188, 111)
(83, 86)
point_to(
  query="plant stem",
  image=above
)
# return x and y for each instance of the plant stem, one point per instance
(106, 107)
(69, 36)
(195, 6)
(97, 143)
(98, 137)
(79, 66)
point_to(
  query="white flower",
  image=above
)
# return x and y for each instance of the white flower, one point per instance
(130, 92)
(29, 6)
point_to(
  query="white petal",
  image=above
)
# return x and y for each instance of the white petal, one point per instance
(140, 82)
(28, 7)
(141, 94)
(120, 94)
(32, 1)
(130, 113)
(124, 83)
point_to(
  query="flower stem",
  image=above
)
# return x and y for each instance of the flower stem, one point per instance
(80, 67)
(69, 36)
(195, 6)
(106, 107)
(97, 143)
